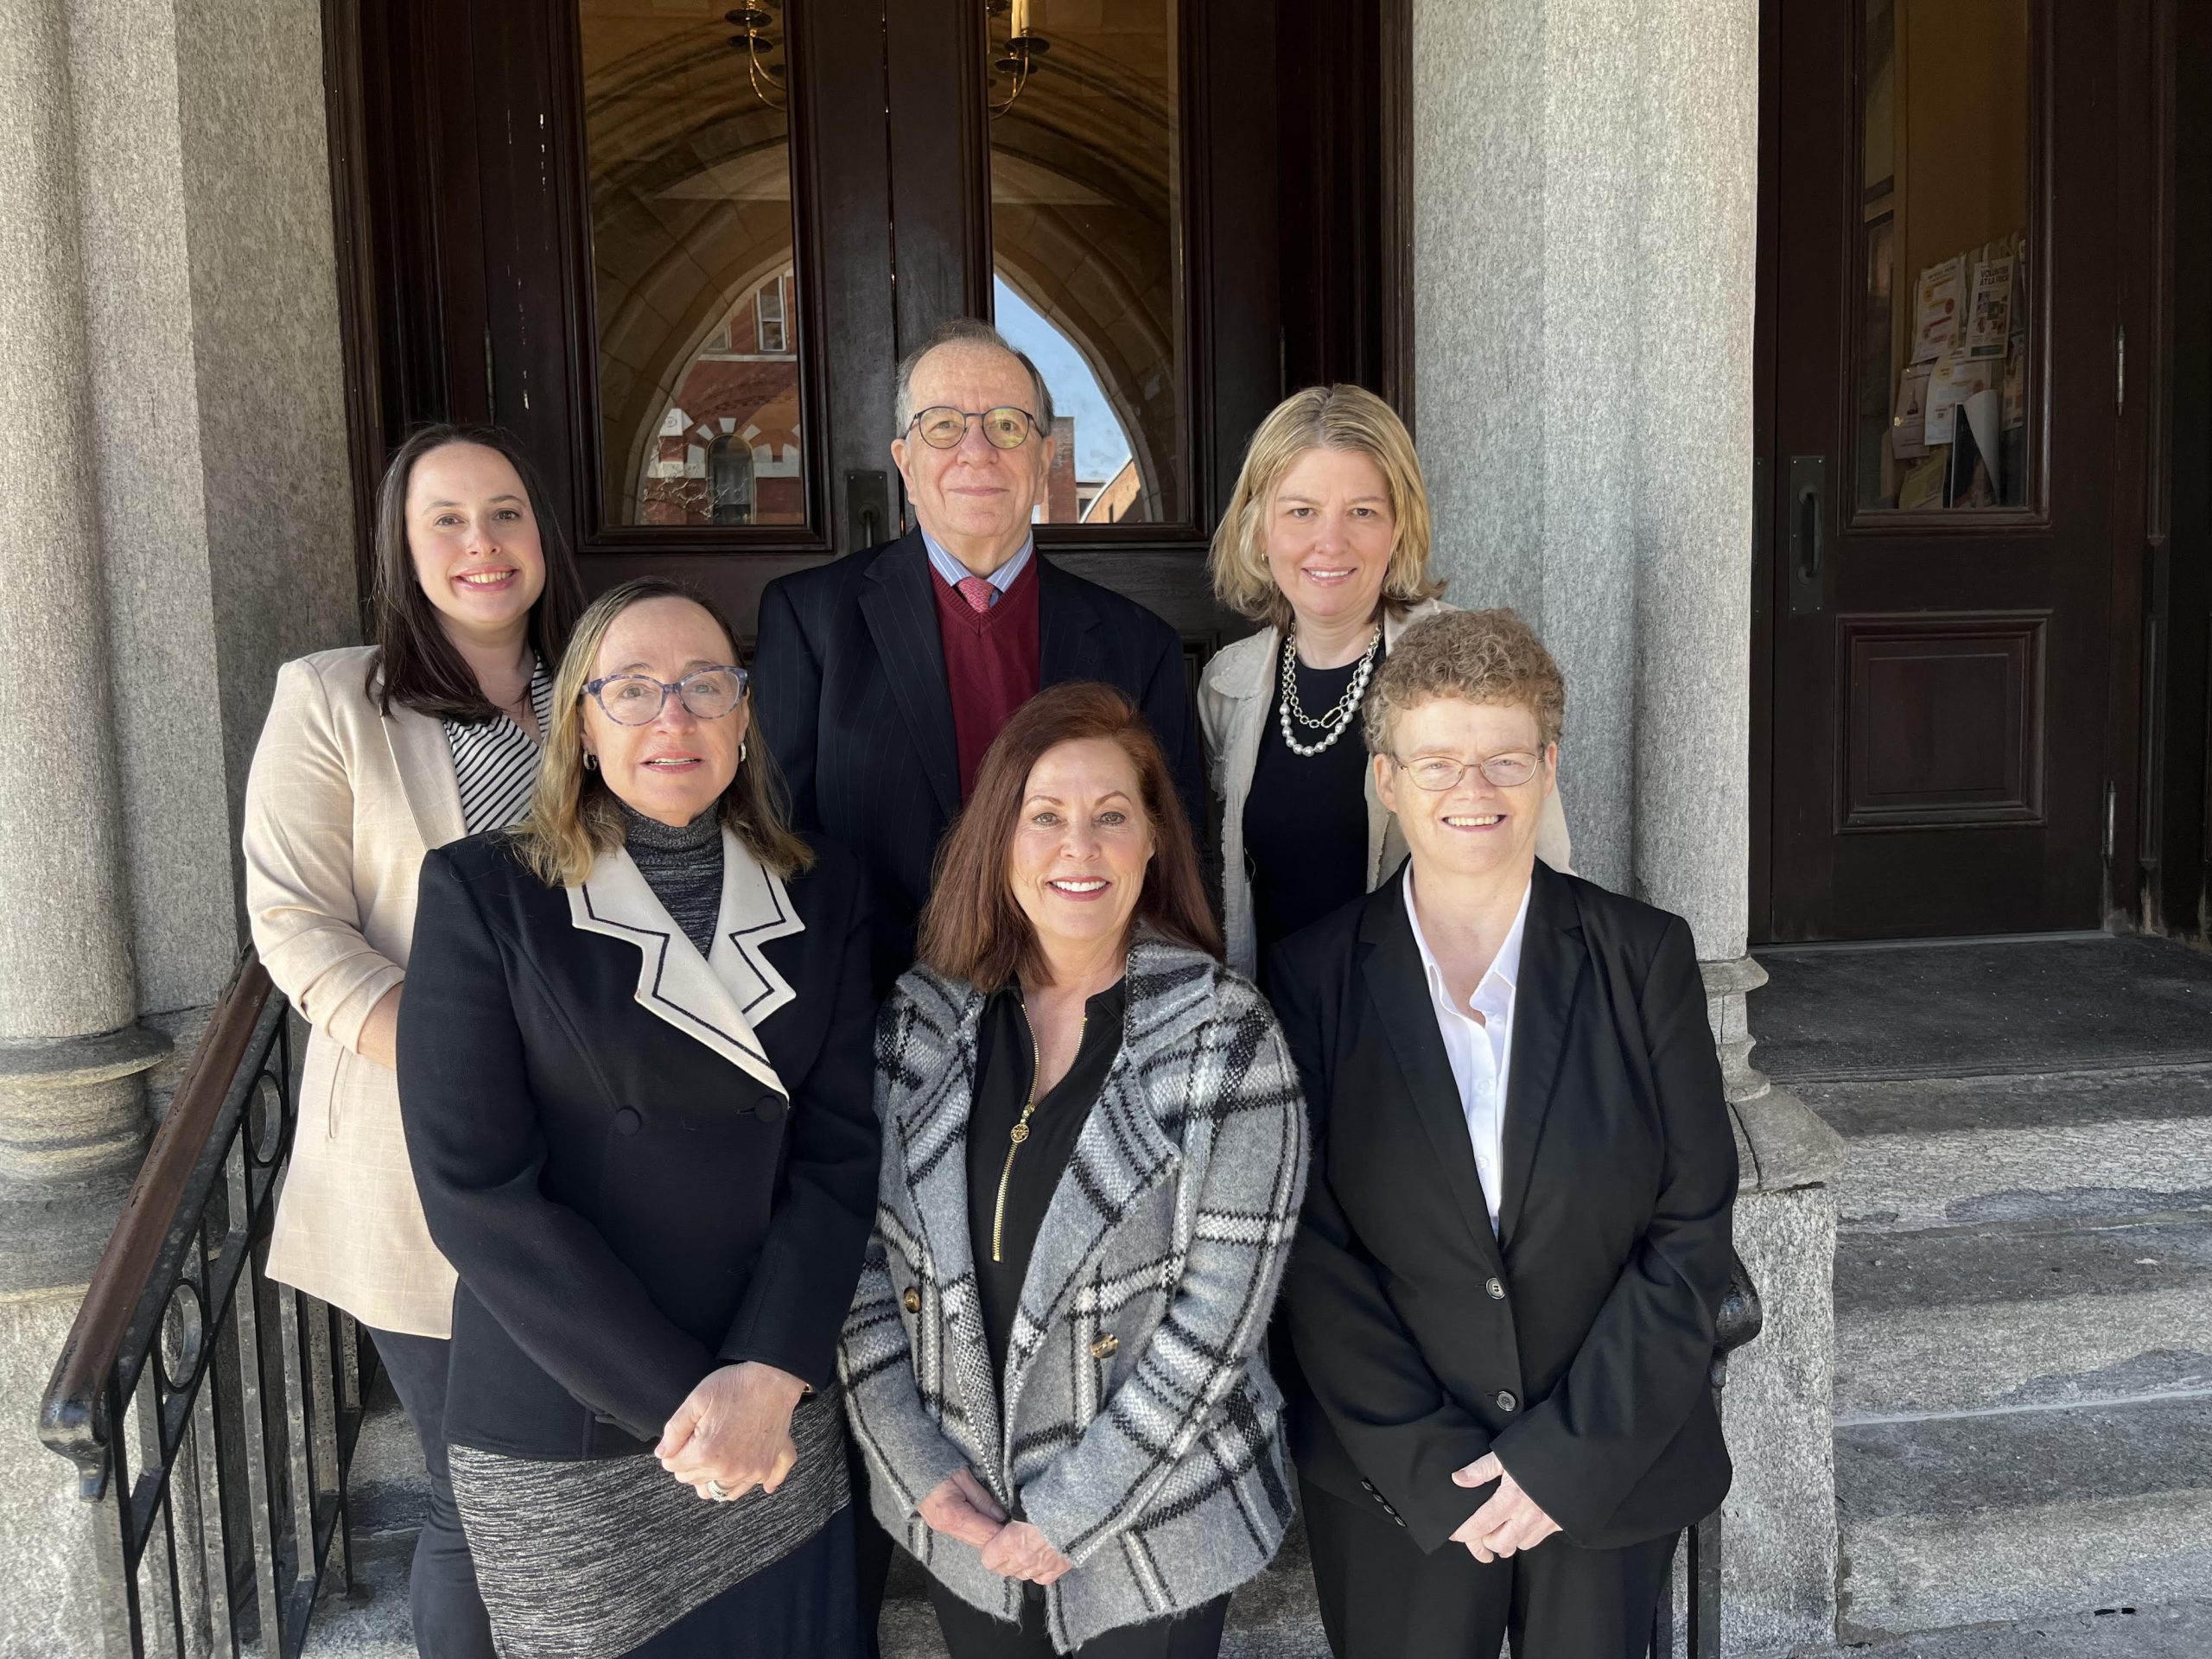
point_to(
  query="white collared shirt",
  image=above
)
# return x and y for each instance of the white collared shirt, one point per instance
(1481, 1051)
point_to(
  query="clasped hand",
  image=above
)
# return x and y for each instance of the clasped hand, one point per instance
(733, 1431)
(961, 1507)
(1508, 1523)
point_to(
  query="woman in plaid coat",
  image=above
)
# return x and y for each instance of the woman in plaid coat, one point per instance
(1094, 1153)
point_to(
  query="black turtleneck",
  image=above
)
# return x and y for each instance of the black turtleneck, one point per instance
(683, 867)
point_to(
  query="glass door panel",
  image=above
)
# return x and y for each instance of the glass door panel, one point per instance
(694, 265)
(1086, 167)
(1946, 352)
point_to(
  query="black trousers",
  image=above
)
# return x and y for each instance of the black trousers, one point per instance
(872, 1545)
(1382, 1598)
(448, 1613)
(972, 1635)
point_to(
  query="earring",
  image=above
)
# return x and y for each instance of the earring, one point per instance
(591, 761)
(740, 749)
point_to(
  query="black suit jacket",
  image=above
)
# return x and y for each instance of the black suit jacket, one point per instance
(851, 695)
(1576, 1344)
(626, 1208)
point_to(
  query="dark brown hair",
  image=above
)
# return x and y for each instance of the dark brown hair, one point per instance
(415, 665)
(972, 928)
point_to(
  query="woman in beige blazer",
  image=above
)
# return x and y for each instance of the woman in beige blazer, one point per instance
(1325, 544)
(373, 755)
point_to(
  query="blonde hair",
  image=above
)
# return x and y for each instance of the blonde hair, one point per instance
(1490, 656)
(1348, 418)
(573, 817)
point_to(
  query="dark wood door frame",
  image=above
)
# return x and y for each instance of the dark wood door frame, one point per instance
(2170, 420)
(441, 215)
(2157, 795)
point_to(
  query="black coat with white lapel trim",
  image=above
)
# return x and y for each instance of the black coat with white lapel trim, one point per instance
(643, 1163)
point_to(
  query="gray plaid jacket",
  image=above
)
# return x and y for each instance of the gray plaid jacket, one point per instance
(1141, 1432)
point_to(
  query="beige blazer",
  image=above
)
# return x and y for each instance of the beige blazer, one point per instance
(1234, 697)
(340, 805)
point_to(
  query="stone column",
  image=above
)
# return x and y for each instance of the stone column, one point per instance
(175, 521)
(1585, 273)
(71, 1054)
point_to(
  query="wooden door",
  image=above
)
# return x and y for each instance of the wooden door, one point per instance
(1937, 622)
(679, 248)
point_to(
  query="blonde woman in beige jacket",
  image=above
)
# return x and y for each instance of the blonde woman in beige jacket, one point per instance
(1325, 544)
(371, 756)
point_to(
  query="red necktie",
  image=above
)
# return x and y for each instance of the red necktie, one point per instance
(976, 591)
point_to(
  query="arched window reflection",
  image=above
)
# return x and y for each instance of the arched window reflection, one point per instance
(729, 475)
(1095, 476)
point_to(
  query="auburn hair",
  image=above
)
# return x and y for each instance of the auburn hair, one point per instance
(572, 817)
(415, 665)
(973, 928)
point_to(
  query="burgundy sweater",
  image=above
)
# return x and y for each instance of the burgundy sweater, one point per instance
(990, 662)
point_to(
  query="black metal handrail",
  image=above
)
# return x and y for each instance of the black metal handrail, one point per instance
(211, 1412)
(1740, 1319)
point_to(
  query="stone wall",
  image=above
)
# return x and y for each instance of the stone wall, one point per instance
(177, 521)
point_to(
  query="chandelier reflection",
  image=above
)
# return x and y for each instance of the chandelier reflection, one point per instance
(1013, 65)
(1024, 46)
(752, 38)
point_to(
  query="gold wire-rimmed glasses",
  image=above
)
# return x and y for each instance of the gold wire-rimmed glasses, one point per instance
(942, 426)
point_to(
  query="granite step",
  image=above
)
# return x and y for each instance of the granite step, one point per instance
(2011, 1315)
(387, 1489)
(1274, 1617)
(2026, 1514)
(2057, 1149)
(2182, 1630)
(386, 1486)
(372, 1621)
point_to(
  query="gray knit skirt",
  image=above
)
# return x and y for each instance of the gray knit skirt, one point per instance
(590, 1559)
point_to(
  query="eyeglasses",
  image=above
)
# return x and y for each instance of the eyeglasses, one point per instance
(943, 426)
(638, 699)
(1440, 773)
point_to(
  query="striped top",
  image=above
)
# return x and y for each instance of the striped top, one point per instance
(495, 763)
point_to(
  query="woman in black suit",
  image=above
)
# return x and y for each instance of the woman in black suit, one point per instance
(1515, 1240)
(634, 1075)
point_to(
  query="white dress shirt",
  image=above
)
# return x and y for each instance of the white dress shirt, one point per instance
(1480, 1050)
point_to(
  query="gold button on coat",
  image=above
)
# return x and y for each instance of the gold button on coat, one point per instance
(913, 1299)
(1105, 1347)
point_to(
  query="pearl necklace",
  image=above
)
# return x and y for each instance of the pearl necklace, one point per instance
(1337, 721)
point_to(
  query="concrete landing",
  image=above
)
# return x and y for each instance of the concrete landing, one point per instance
(2010, 1007)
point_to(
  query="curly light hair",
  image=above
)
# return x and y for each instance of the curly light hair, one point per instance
(1490, 656)
(1321, 417)
(572, 817)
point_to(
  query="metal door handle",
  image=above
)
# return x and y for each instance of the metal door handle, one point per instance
(867, 507)
(1808, 531)
(1808, 539)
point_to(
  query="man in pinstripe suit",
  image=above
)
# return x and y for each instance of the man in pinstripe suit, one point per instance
(882, 676)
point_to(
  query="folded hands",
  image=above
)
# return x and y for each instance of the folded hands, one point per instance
(961, 1507)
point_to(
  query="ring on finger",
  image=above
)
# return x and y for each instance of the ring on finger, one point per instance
(719, 1492)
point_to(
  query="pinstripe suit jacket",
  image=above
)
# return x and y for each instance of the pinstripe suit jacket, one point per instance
(1136, 1426)
(848, 675)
